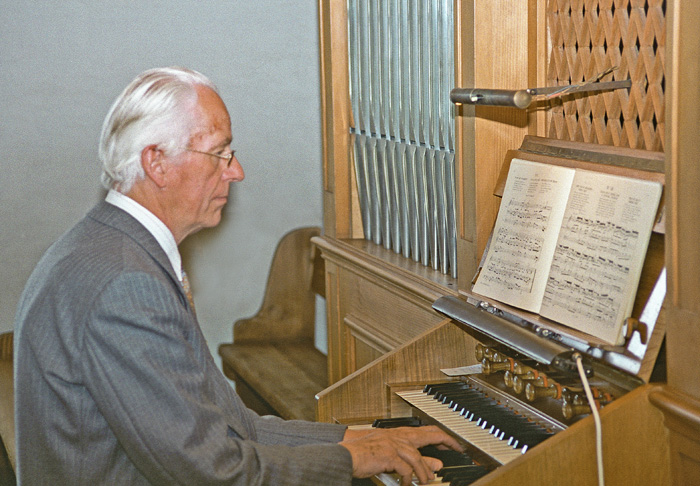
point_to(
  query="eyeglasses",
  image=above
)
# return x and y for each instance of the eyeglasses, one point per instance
(227, 157)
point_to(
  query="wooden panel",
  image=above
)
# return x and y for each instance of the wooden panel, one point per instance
(377, 301)
(680, 400)
(336, 113)
(388, 311)
(683, 420)
(683, 233)
(498, 58)
(363, 344)
(569, 457)
(682, 344)
(374, 336)
(333, 324)
(366, 393)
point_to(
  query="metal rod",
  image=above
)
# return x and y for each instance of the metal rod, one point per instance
(580, 88)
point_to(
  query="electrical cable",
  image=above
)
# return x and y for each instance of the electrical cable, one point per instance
(596, 418)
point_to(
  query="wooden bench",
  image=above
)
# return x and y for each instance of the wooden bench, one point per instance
(7, 412)
(272, 359)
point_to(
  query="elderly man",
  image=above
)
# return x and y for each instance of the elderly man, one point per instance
(114, 381)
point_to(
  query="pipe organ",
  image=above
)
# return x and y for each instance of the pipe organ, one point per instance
(411, 344)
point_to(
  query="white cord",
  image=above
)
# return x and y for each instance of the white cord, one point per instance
(596, 419)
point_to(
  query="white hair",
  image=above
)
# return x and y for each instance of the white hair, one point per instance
(156, 108)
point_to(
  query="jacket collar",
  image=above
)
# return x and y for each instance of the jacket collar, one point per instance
(122, 221)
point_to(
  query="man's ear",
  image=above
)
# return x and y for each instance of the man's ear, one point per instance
(154, 165)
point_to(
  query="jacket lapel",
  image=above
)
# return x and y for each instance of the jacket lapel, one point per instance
(119, 219)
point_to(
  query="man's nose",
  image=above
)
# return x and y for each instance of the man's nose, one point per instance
(234, 172)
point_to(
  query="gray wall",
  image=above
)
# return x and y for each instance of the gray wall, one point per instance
(62, 63)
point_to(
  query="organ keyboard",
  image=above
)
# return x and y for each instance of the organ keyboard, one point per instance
(487, 440)
(492, 428)
(495, 427)
(493, 432)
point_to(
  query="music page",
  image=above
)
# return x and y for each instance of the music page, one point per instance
(600, 253)
(524, 238)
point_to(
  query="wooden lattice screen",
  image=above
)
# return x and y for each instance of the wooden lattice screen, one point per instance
(589, 36)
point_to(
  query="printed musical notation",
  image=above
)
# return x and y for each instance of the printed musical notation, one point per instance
(586, 285)
(601, 237)
(570, 244)
(508, 274)
(515, 253)
(524, 237)
(527, 215)
(590, 269)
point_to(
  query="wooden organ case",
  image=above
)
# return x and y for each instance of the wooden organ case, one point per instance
(393, 325)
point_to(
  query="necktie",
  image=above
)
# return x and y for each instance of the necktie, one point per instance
(188, 291)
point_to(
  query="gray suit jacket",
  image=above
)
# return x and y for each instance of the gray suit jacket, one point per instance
(115, 384)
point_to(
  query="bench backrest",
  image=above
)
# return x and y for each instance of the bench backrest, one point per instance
(288, 309)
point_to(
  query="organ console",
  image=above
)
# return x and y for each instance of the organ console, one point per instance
(545, 430)
(522, 393)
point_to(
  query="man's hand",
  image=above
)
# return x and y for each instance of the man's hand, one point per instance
(396, 450)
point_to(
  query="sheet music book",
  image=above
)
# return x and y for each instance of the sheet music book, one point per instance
(569, 244)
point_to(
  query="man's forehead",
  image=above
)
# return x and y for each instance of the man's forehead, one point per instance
(200, 130)
(211, 117)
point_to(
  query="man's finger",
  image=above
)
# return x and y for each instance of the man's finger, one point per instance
(423, 467)
(430, 435)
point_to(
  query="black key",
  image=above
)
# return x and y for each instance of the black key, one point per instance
(388, 423)
(448, 457)
(462, 475)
